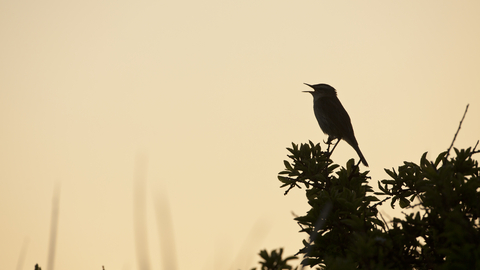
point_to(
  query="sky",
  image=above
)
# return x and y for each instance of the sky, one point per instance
(184, 110)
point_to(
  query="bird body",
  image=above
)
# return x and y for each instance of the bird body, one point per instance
(332, 116)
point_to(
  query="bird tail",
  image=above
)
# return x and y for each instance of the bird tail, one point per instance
(362, 158)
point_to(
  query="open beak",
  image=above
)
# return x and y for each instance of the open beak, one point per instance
(308, 91)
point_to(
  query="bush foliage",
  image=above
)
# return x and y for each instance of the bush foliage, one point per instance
(346, 230)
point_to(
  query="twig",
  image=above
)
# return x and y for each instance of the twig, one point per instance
(475, 151)
(384, 222)
(380, 202)
(456, 133)
(292, 185)
(295, 184)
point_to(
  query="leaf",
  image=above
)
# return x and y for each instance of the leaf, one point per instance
(424, 161)
(384, 190)
(388, 182)
(377, 221)
(287, 165)
(391, 173)
(284, 179)
(404, 202)
(371, 199)
(440, 158)
(392, 204)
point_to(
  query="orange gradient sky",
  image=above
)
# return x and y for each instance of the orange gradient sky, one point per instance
(208, 95)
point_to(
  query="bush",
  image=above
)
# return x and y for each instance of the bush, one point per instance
(346, 230)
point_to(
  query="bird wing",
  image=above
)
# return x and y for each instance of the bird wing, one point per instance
(339, 121)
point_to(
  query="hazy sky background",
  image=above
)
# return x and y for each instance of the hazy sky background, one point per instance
(209, 93)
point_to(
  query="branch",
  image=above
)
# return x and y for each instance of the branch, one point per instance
(474, 151)
(456, 133)
(380, 202)
(305, 182)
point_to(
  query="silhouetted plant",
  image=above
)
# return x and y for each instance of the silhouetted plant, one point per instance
(346, 231)
(274, 260)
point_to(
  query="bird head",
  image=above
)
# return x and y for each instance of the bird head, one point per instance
(321, 90)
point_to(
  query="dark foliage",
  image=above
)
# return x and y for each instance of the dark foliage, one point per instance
(346, 231)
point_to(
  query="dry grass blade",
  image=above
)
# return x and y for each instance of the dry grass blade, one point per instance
(53, 227)
(140, 212)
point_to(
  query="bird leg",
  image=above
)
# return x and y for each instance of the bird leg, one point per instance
(328, 152)
(329, 142)
(338, 140)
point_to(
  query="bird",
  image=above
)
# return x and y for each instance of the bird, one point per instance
(332, 117)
